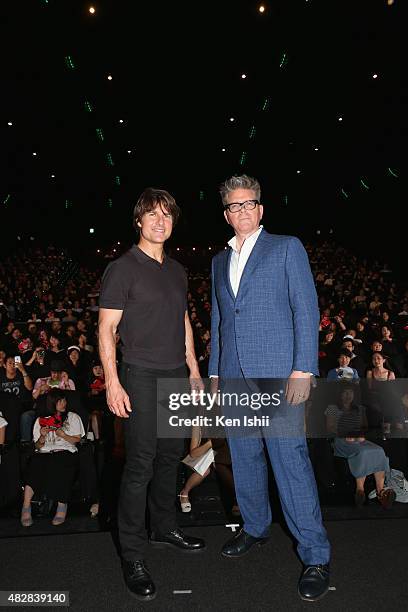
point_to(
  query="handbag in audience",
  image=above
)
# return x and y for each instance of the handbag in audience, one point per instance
(200, 464)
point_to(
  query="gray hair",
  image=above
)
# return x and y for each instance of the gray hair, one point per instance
(240, 182)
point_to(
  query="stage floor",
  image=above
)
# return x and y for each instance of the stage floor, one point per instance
(368, 571)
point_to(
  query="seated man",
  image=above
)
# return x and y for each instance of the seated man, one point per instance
(356, 361)
(343, 371)
(14, 383)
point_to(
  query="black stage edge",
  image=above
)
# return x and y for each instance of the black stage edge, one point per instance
(369, 571)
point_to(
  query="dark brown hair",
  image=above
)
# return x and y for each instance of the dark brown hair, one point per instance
(149, 199)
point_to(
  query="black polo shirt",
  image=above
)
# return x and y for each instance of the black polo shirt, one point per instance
(153, 298)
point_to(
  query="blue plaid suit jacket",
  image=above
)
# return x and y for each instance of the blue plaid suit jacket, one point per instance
(272, 326)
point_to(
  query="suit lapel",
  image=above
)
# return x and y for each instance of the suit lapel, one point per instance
(253, 259)
(227, 259)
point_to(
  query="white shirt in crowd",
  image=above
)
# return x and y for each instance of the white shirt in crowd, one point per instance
(72, 427)
(240, 258)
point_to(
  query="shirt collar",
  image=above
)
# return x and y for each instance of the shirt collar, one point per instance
(250, 241)
(144, 258)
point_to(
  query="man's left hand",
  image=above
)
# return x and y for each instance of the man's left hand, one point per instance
(298, 387)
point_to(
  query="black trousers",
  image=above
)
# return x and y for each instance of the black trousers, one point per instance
(150, 472)
(53, 474)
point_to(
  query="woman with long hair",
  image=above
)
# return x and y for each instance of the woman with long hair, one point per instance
(52, 468)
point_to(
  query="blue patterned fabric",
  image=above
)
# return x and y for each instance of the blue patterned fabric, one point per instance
(273, 323)
(269, 329)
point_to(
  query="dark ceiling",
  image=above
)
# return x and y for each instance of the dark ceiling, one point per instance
(176, 81)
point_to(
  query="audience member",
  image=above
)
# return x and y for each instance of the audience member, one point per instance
(347, 422)
(52, 468)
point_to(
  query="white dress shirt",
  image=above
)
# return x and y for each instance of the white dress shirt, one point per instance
(239, 258)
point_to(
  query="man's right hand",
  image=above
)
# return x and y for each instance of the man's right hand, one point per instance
(118, 400)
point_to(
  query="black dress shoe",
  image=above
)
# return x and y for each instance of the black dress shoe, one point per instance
(177, 539)
(314, 582)
(138, 580)
(241, 544)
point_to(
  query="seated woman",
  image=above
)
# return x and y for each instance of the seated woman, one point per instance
(66, 382)
(58, 379)
(347, 421)
(52, 468)
(55, 351)
(343, 372)
(380, 371)
(383, 397)
(198, 448)
(222, 464)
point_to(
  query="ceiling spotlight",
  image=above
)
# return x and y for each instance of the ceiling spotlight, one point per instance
(34, 153)
(109, 77)
(9, 123)
(114, 250)
(178, 248)
(261, 9)
(297, 171)
(243, 76)
(232, 119)
(98, 250)
(390, 2)
(209, 248)
(375, 75)
(223, 149)
(318, 232)
(129, 151)
(193, 248)
(91, 230)
(118, 242)
(316, 148)
(52, 175)
(120, 120)
(92, 10)
(340, 118)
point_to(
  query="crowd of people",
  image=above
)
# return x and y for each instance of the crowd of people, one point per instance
(50, 366)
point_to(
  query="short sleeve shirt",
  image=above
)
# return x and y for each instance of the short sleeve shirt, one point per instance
(12, 385)
(347, 422)
(72, 427)
(153, 298)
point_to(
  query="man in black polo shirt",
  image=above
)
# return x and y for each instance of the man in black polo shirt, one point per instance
(144, 296)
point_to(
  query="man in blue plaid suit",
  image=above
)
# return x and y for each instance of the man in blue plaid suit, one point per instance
(264, 328)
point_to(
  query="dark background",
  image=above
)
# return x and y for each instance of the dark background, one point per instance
(176, 69)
